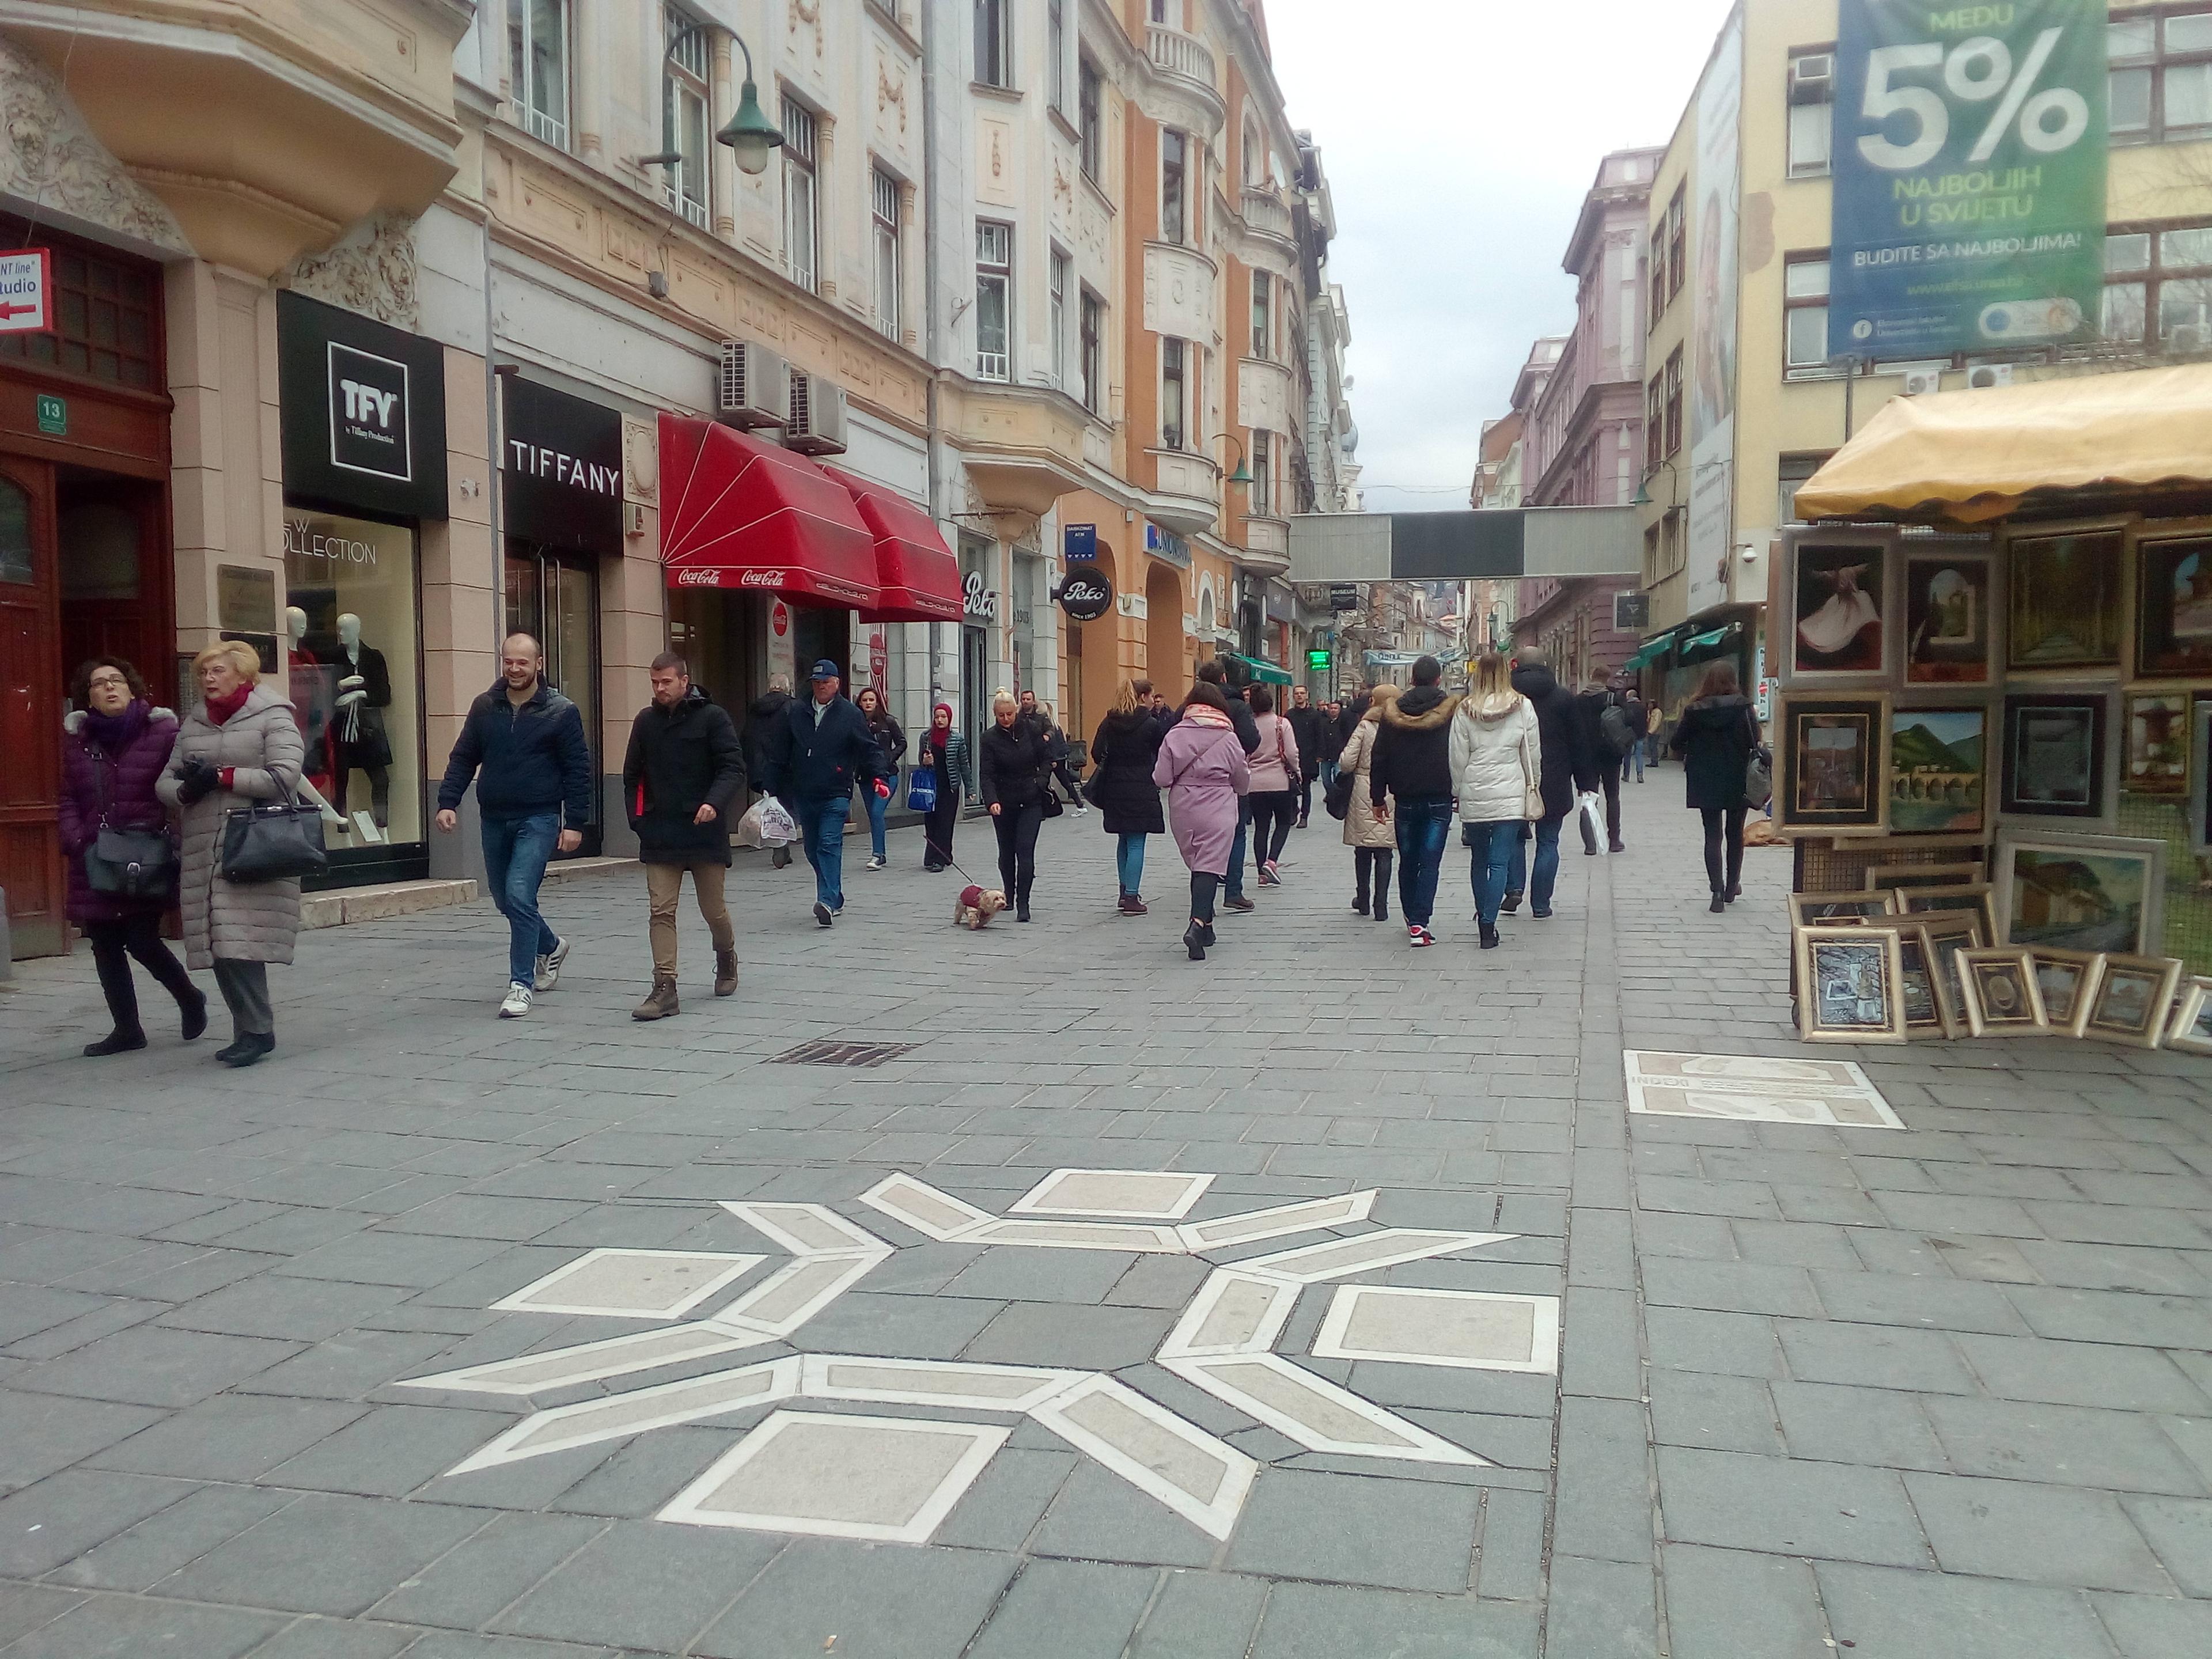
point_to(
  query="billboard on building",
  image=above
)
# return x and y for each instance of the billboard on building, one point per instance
(1715, 230)
(1969, 157)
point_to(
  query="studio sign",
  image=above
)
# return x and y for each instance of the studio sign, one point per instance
(1086, 594)
(368, 414)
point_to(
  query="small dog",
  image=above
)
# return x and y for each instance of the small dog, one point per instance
(975, 907)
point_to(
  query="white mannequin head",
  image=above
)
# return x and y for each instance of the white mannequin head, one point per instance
(349, 631)
(295, 623)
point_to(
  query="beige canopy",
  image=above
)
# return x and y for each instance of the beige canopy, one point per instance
(1974, 456)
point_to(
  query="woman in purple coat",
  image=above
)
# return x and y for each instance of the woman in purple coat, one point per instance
(1202, 766)
(114, 746)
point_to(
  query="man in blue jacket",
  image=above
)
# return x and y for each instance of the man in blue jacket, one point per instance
(816, 750)
(524, 744)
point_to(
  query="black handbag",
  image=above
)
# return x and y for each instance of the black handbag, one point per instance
(1337, 798)
(138, 864)
(278, 841)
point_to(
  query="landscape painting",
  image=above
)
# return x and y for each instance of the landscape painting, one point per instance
(2081, 897)
(1938, 770)
(2065, 601)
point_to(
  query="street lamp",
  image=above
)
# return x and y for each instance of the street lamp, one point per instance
(1242, 475)
(750, 135)
(1643, 484)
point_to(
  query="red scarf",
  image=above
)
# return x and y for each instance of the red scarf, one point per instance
(220, 709)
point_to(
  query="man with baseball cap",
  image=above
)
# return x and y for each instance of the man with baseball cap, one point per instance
(815, 750)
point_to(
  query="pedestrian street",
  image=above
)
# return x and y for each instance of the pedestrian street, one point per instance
(1037, 1290)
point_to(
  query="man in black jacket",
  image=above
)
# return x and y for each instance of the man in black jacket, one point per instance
(533, 794)
(817, 750)
(761, 721)
(1307, 725)
(1413, 762)
(682, 777)
(1568, 770)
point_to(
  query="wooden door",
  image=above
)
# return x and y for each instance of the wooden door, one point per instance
(30, 710)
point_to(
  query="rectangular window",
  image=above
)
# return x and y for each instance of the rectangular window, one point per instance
(1061, 267)
(1796, 470)
(1651, 556)
(995, 271)
(1056, 49)
(1655, 417)
(1263, 321)
(1263, 474)
(1093, 349)
(995, 62)
(1089, 120)
(1174, 160)
(2158, 288)
(537, 67)
(884, 219)
(107, 325)
(689, 187)
(1805, 308)
(802, 206)
(1812, 110)
(1673, 417)
(1172, 393)
(2160, 82)
(1678, 244)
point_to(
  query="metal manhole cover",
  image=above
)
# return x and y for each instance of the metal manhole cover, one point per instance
(823, 1053)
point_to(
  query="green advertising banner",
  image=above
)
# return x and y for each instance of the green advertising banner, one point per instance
(1969, 159)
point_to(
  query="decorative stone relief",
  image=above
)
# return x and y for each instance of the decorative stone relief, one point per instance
(891, 96)
(52, 159)
(1178, 293)
(805, 14)
(371, 269)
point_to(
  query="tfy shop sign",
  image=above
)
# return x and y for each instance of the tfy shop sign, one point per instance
(26, 288)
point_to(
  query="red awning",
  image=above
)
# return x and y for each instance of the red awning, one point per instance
(915, 571)
(738, 512)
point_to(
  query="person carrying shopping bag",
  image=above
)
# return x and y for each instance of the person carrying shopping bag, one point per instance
(943, 756)
(890, 737)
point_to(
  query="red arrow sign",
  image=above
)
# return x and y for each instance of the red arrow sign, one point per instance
(7, 311)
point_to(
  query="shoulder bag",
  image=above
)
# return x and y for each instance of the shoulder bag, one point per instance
(138, 864)
(1758, 769)
(1531, 788)
(278, 841)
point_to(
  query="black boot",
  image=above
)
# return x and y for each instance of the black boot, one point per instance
(1194, 941)
(1720, 901)
(1490, 939)
(194, 1014)
(1021, 909)
(116, 1042)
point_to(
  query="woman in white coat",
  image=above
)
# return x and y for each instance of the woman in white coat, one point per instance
(1498, 767)
(1374, 841)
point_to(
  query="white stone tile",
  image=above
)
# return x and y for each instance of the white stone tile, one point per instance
(617, 1417)
(1114, 1194)
(788, 1298)
(1141, 1236)
(937, 1215)
(1232, 1313)
(1755, 1089)
(1314, 1411)
(1203, 1480)
(1475, 1330)
(890, 1480)
(1333, 1258)
(592, 1362)
(1250, 1226)
(806, 1229)
(631, 1284)
(968, 1385)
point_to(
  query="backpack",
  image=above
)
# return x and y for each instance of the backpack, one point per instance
(1619, 731)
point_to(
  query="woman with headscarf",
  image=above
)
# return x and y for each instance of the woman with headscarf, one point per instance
(1202, 766)
(944, 753)
(1126, 744)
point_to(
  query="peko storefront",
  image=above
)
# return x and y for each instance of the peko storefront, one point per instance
(363, 421)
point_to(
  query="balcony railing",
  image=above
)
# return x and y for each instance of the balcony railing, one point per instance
(1177, 53)
(1265, 215)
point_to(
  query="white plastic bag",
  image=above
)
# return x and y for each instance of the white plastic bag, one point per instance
(766, 824)
(1593, 812)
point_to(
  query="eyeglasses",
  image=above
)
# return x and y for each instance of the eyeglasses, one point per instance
(99, 680)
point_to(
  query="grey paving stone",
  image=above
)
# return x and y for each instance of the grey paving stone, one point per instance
(1344, 1529)
(2148, 1627)
(908, 1327)
(1599, 1334)
(1877, 1356)
(353, 1365)
(1602, 1606)
(639, 1477)
(2064, 1445)
(2181, 1530)
(1719, 1413)
(2081, 1373)
(56, 1519)
(331, 1638)
(25, 1607)
(409, 1261)
(325, 1554)
(1099, 1516)
(232, 1436)
(888, 1601)
(1329, 1621)
(1200, 1615)
(149, 1366)
(42, 1433)
(1945, 1305)
(2042, 1534)
(465, 1588)
(1510, 1557)
(1838, 1423)
(1888, 1614)
(1744, 1287)
(454, 1644)
(1729, 1604)
(1073, 1610)
(1085, 1338)
(1008, 1274)
(130, 1627)
(1008, 1498)
(27, 1310)
(1604, 1487)
(2150, 1322)
(390, 1450)
(1831, 1510)
(643, 1583)
(1692, 1340)
(141, 1557)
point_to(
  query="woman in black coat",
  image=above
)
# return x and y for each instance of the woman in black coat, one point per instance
(1012, 761)
(1126, 744)
(1714, 741)
(890, 737)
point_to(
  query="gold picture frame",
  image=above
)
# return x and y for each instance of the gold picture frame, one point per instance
(1840, 909)
(1891, 877)
(2003, 997)
(2133, 1001)
(1975, 898)
(1950, 934)
(2067, 983)
(1850, 984)
(1929, 1014)
(2191, 1031)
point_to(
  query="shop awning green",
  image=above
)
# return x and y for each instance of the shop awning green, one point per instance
(1655, 647)
(1699, 642)
(1265, 672)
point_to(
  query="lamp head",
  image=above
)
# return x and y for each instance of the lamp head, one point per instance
(1242, 475)
(1642, 495)
(751, 135)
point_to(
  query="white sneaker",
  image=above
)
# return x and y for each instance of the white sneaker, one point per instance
(518, 1001)
(548, 966)
(876, 863)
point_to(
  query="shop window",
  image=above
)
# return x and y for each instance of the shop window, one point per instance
(885, 221)
(690, 189)
(802, 206)
(106, 321)
(1805, 310)
(2160, 82)
(994, 56)
(995, 262)
(2158, 288)
(1175, 185)
(538, 68)
(1090, 120)
(355, 672)
(1094, 352)
(1172, 393)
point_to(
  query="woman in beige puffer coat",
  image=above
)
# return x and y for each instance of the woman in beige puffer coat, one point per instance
(1497, 769)
(1374, 843)
(240, 746)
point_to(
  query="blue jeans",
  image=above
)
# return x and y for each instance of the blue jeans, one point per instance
(1328, 775)
(822, 831)
(1232, 885)
(516, 852)
(1636, 756)
(1494, 847)
(1423, 827)
(1539, 881)
(877, 807)
(1129, 860)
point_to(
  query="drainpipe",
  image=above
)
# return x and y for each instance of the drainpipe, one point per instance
(930, 301)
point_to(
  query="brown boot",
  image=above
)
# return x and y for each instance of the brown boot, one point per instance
(725, 973)
(660, 1001)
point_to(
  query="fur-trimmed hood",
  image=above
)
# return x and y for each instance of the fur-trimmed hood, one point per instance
(1423, 709)
(73, 722)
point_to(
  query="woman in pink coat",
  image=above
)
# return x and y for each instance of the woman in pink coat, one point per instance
(1202, 766)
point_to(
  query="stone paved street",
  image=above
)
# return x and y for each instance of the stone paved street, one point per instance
(1941, 1391)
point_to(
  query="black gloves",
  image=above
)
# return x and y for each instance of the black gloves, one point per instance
(196, 779)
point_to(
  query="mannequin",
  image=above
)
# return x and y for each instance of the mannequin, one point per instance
(357, 731)
(304, 675)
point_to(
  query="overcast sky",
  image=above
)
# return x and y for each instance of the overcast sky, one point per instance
(1459, 136)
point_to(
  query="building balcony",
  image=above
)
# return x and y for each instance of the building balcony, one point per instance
(1182, 67)
(1265, 215)
(1024, 445)
(1267, 550)
(1186, 493)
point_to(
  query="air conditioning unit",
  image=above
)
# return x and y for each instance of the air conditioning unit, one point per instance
(816, 425)
(1982, 376)
(1812, 78)
(1920, 382)
(755, 388)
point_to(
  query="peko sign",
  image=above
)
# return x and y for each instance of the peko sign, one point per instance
(1085, 594)
(1970, 163)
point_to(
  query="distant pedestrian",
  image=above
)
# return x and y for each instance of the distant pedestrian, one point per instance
(1333, 734)
(760, 722)
(1247, 729)
(891, 739)
(1013, 762)
(1373, 840)
(1639, 719)
(1410, 783)
(1307, 723)
(1277, 767)
(1568, 770)
(821, 749)
(684, 779)
(1029, 715)
(1058, 769)
(944, 753)
(1714, 739)
(1497, 768)
(1607, 740)
(239, 749)
(1202, 766)
(523, 743)
(115, 745)
(1123, 750)
(1655, 728)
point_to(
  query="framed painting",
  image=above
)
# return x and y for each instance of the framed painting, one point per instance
(2003, 997)
(1929, 1015)
(2054, 754)
(1840, 910)
(1832, 754)
(2135, 997)
(1939, 770)
(2200, 776)
(1972, 898)
(2068, 981)
(1841, 618)
(1949, 623)
(2173, 608)
(1950, 934)
(2065, 600)
(2191, 1031)
(2158, 734)
(2087, 893)
(1848, 987)
(1891, 877)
